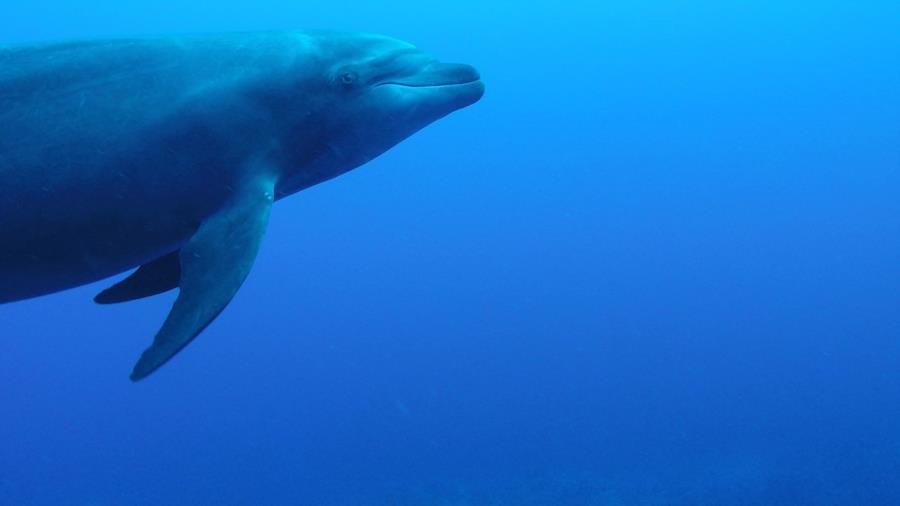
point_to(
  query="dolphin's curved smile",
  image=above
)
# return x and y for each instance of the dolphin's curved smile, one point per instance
(421, 85)
(438, 75)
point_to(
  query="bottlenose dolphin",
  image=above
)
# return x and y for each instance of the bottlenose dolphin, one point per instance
(166, 154)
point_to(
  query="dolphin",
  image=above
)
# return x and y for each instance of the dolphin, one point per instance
(166, 154)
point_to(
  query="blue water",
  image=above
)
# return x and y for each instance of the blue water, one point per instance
(658, 264)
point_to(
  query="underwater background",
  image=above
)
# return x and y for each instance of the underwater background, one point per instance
(658, 264)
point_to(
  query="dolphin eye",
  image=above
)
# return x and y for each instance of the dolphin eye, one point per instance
(348, 78)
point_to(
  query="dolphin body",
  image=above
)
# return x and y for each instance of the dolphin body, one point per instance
(167, 154)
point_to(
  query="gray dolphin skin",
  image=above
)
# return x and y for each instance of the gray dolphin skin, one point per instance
(167, 154)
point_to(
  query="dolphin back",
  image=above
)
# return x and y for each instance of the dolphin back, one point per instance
(116, 83)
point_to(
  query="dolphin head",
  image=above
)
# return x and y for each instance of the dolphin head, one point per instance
(373, 92)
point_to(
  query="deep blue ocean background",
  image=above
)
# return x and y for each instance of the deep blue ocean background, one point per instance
(658, 264)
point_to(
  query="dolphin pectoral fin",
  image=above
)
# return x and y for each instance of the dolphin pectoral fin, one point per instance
(152, 278)
(214, 264)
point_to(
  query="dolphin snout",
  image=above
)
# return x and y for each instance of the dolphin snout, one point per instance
(447, 86)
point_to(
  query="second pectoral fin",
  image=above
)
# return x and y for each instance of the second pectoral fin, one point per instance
(213, 265)
(152, 278)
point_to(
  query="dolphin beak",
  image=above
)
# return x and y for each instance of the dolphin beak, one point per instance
(439, 88)
(452, 73)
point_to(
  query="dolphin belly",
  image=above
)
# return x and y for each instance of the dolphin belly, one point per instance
(51, 241)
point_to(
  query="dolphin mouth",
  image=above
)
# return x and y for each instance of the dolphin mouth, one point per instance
(428, 85)
(438, 75)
